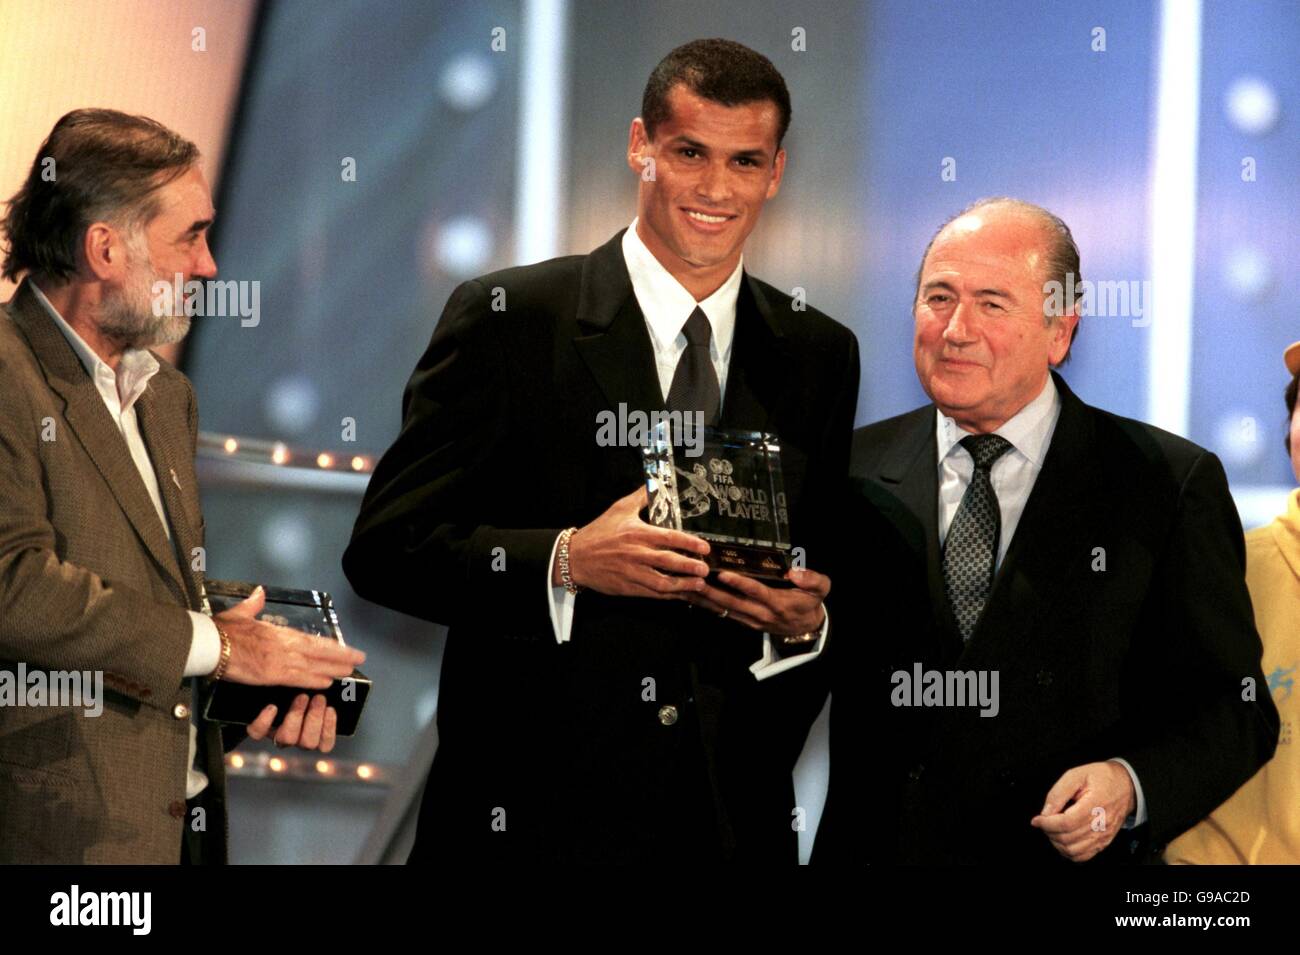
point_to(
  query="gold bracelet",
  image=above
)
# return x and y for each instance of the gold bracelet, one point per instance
(797, 639)
(793, 639)
(224, 662)
(562, 558)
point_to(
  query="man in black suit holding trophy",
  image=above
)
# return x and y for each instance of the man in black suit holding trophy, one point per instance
(635, 710)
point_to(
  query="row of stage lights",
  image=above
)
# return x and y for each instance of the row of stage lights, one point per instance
(269, 765)
(318, 769)
(281, 455)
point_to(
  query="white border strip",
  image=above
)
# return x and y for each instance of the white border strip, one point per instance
(1172, 252)
(539, 183)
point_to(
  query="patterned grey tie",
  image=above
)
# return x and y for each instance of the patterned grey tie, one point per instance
(695, 383)
(970, 551)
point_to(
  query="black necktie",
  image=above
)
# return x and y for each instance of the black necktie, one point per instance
(970, 551)
(695, 383)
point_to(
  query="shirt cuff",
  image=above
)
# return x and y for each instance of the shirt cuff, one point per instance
(771, 664)
(1139, 815)
(560, 601)
(205, 646)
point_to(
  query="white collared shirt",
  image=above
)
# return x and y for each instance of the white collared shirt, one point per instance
(666, 305)
(120, 391)
(1013, 474)
(1029, 432)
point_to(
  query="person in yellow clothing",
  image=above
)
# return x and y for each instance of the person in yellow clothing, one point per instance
(1260, 822)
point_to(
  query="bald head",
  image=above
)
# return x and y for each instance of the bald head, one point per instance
(1057, 255)
(984, 342)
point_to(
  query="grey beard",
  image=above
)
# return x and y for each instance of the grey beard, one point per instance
(127, 315)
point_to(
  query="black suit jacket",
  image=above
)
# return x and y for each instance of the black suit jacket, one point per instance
(497, 453)
(1120, 626)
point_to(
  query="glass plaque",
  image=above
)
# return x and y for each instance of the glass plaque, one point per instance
(724, 486)
(311, 611)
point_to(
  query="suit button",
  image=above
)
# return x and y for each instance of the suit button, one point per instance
(916, 773)
(181, 711)
(667, 715)
(176, 810)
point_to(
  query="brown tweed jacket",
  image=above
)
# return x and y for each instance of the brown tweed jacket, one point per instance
(89, 582)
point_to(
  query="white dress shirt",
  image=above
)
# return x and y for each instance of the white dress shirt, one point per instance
(120, 391)
(1013, 475)
(666, 305)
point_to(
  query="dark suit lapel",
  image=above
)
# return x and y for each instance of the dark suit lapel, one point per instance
(757, 357)
(86, 415)
(612, 337)
(614, 343)
(1052, 536)
(911, 470)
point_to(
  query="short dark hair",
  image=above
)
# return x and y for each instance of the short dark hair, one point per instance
(723, 71)
(106, 167)
(1062, 253)
(1290, 407)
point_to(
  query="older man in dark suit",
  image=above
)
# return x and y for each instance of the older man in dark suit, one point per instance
(100, 526)
(1087, 569)
(610, 716)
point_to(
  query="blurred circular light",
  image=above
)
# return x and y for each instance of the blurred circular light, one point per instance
(236, 761)
(365, 772)
(358, 463)
(276, 764)
(291, 405)
(231, 445)
(324, 460)
(467, 82)
(1252, 105)
(279, 454)
(324, 767)
(1246, 270)
(287, 541)
(461, 247)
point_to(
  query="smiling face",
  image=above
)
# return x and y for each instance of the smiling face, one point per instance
(982, 346)
(714, 166)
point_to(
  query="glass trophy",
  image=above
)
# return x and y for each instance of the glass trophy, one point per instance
(311, 611)
(726, 487)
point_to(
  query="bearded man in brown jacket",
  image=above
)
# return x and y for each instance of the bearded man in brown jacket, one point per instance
(105, 659)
